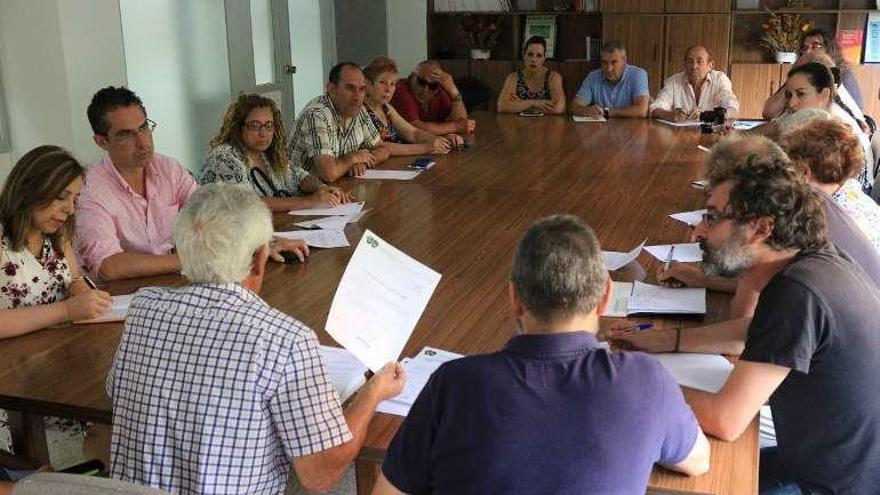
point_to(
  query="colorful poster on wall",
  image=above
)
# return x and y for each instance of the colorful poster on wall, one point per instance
(872, 38)
(850, 43)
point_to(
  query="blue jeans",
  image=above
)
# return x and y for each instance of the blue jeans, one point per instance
(773, 478)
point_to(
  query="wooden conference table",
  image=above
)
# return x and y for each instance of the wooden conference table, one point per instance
(462, 218)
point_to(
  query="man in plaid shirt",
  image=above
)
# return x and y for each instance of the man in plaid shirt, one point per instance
(214, 391)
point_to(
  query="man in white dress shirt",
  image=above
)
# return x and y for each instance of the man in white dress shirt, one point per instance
(698, 89)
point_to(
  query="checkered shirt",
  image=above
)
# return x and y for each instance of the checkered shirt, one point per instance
(214, 392)
(318, 131)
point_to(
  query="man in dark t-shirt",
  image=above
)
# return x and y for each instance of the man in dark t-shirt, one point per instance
(552, 412)
(812, 345)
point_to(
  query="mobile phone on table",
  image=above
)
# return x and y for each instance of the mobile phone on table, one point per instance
(423, 163)
(531, 112)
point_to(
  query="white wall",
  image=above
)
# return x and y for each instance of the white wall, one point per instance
(176, 61)
(307, 50)
(53, 62)
(407, 33)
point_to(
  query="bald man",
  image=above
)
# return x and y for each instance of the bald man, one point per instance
(699, 88)
(431, 101)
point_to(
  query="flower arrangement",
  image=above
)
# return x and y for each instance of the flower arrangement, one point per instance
(783, 31)
(480, 31)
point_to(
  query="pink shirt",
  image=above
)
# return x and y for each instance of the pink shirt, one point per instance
(111, 218)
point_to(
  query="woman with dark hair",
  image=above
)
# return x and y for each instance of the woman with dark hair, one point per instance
(251, 148)
(534, 87)
(40, 281)
(400, 137)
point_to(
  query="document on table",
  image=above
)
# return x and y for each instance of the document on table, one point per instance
(418, 371)
(346, 371)
(390, 174)
(680, 123)
(706, 372)
(344, 209)
(331, 223)
(318, 238)
(654, 299)
(584, 118)
(616, 260)
(686, 253)
(744, 125)
(117, 312)
(379, 300)
(619, 303)
(689, 217)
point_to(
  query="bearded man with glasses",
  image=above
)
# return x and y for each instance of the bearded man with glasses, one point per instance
(431, 101)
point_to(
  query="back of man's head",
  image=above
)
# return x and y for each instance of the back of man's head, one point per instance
(558, 271)
(764, 185)
(218, 232)
(107, 99)
(734, 150)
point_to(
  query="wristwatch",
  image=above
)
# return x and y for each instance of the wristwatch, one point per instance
(456, 97)
(606, 112)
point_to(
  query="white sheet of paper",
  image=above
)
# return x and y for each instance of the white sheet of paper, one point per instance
(744, 125)
(689, 217)
(615, 260)
(346, 371)
(700, 184)
(117, 312)
(619, 303)
(390, 174)
(318, 238)
(583, 118)
(686, 253)
(418, 371)
(379, 300)
(344, 209)
(680, 123)
(706, 372)
(648, 298)
(331, 223)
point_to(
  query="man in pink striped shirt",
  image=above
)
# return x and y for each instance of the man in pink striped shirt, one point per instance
(131, 197)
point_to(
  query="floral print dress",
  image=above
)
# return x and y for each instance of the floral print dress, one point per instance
(27, 280)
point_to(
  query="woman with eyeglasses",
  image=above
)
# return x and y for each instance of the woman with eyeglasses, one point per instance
(40, 281)
(401, 137)
(251, 148)
(535, 87)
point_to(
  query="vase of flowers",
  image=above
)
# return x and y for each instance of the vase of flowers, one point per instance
(481, 34)
(782, 35)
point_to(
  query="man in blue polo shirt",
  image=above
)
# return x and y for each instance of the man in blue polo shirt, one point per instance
(552, 412)
(616, 90)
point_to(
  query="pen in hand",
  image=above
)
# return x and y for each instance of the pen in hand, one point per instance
(635, 328)
(89, 282)
(668, 263)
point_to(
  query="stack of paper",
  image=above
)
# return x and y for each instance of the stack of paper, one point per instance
(346, 371)
(680, 123)
(582, 118)
(684, 253)
(706, 372)
(379, 300)
(344, 209)
(117, 312)
(390, 174)
(640, 298)
(418, 371)
(332, 222)
(615, 260)
(745, 125)
(689, 217)
(317, 238)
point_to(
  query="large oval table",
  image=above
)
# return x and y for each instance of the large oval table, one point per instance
(462, 218)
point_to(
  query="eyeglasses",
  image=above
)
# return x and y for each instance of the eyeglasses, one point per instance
(427, 84)
(128, 135)
(255, 126)
(713, 218)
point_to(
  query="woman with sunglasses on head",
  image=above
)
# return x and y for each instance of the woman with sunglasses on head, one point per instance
(251, 148)
(40, 281)
(534, 87)
(401, 137)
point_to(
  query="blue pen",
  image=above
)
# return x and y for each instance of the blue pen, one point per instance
(641, 327)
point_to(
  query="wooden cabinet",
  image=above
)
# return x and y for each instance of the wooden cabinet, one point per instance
(701, 6)
(869, 82)
(683, 31)
(753, 84)
(642, 35)
(636, 6)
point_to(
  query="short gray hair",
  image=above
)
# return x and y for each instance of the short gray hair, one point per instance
(613, 46)
(218, 232)
(558, 270)
(734, 150)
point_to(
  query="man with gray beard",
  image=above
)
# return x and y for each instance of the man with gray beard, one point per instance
(811, 347)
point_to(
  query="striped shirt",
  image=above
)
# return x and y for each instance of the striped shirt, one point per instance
(319, 131)
(214, 392)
